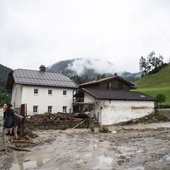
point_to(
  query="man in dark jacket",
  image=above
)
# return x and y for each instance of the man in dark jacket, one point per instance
(9, 119)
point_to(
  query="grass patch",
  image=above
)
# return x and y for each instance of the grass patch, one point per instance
(158, 80)
(153, 84)
(154, 91)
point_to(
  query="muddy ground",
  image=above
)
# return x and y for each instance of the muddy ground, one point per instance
(127, 147)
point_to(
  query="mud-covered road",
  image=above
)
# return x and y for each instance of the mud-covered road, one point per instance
(133, 147)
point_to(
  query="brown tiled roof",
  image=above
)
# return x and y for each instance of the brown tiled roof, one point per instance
(118, 95)
(106, 79)
(39, 78)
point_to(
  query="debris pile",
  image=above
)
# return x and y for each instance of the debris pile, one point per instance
(104, 129)
(58, 120)
(155, 117)
(17, 142)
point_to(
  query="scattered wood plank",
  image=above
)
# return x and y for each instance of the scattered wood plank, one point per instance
(79, 124)
(19, 149)
(22, 141)
(56, 120)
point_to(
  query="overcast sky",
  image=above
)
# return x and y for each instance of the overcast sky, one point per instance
(35, 32)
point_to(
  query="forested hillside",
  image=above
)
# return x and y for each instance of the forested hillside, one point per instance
(84, 70)
(4, 93)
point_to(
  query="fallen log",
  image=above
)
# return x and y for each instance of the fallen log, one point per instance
(22, 141)
(19, 149)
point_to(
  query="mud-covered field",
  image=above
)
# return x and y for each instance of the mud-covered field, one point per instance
(132, 147)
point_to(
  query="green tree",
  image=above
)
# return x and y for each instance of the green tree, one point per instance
(4, 98)
(155, 62)
(143, 65)
(151, 64)
(161, 98)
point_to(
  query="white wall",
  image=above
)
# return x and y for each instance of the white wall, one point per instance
(88, 98)
(26, 96)
(16, 95)
(113, 112)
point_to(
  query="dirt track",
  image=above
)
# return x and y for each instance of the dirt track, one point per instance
(133, 147)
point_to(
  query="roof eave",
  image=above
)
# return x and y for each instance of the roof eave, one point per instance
(46, 85)
(124, 99)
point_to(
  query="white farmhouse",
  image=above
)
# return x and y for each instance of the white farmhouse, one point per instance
(111, 101)
(41, 91)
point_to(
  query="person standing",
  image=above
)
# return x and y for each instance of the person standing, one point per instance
(9, 119)
(4, 107)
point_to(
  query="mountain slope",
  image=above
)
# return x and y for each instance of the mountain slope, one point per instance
(89, 69)
(80, 66)
(157, 80)
(154, 84)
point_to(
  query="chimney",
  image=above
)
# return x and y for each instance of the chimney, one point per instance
(42, 68)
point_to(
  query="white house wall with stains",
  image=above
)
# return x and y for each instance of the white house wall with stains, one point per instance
(110, 112)
(113, 112)
(22, 94)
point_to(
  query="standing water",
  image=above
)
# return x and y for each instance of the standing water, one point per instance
(22, 161)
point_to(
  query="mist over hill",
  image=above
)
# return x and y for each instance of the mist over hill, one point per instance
(90, 68)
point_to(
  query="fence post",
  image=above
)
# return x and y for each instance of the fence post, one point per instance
(22, 125)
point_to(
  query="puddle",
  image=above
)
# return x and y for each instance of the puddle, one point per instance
(104, 163)
(166, 158)
(163, 138)
(23, 161)
(128, 150)
(136, 168)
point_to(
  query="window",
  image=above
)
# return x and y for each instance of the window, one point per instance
(64, 92)
(36, 91)
(49, 109)
(109, 85)
(120, 86)
(35, 109)
(50, 91)
(65, 109)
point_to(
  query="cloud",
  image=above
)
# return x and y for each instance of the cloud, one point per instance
(99, 65)
(44, 32)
